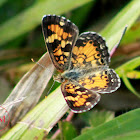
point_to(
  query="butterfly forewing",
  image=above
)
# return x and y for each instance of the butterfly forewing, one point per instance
(60, 35)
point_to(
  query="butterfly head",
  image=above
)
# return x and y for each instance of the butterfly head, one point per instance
(59, 78)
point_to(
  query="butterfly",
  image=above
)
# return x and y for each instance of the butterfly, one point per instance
(82, 60)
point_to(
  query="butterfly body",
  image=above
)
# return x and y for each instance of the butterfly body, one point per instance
(83, 62)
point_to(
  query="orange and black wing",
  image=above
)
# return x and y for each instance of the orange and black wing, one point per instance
(105, 81)
(78, 98)
(60, 36)
(90, 50)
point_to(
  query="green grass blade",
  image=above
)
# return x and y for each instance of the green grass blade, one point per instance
(128, 122)
(128, 85)
(128, 66)
(39, 121)
(31, 17)
(135, 135)
(127, 16)
(124, 69)
(135, 74)
(132, 35)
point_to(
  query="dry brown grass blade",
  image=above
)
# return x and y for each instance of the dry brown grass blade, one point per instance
(27, 92)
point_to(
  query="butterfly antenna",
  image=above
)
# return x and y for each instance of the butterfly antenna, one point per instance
(38, 63)
(116, 46)
(51, 87)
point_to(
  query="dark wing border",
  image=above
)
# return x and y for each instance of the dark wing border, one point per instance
(53, 44)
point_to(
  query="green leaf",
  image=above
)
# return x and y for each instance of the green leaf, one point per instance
(128, 66)
(128, 85)
(132, 35)
(96, 118)
(125, 124)
(127, 69)
(101, 117)
(135, 135)
(68, 131)
(31, 17)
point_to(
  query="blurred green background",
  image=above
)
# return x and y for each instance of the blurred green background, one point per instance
(21, 39)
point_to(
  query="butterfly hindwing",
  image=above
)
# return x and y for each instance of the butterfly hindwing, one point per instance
(60, 35)
(78, 98)
(103, 81)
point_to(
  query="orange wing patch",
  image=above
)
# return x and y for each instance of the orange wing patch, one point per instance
(60, 35)
(78, 98)
(101, 81)
(90, 51)
(86, 54)
(96, 81)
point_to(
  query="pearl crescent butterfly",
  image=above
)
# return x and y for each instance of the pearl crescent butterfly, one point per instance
(83, 62)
